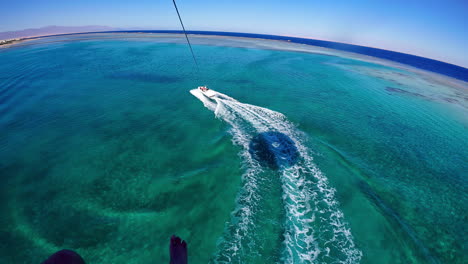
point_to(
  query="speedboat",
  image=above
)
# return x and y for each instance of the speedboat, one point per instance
(207, 92)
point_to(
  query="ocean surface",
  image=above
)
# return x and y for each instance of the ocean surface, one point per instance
(107, 149)
(436, 66)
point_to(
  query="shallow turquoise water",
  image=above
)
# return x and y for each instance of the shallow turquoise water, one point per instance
(103, 150)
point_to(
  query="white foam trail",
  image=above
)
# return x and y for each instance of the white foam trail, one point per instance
(315, 230)
(233, 247)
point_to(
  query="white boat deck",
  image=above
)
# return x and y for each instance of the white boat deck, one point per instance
(208, 93)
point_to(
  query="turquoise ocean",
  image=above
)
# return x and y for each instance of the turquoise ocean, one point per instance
(107, 149)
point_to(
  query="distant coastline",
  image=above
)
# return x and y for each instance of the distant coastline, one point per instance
(8, 42)
(436, 66)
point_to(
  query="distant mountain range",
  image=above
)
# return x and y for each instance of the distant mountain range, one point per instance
(52, 30)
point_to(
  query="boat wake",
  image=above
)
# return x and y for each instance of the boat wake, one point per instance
(314, 228)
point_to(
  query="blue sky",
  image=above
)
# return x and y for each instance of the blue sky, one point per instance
(428, 28)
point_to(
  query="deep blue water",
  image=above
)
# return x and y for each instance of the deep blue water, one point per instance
(436, 66)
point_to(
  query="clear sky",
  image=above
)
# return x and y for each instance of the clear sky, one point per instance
(428, 28)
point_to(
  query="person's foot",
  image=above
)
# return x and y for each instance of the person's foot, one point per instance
(178, 250)
(64, 256)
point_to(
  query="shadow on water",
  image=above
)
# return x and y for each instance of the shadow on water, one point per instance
(274, 149)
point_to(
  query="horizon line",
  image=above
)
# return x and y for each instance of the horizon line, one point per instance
(445, 68)
(193, 32)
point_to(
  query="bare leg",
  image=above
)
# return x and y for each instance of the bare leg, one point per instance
(178, 251)
(64, 256)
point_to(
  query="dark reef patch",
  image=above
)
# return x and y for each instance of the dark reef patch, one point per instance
(450, 100)
(401, 91)
(274, 149)
(144, 77)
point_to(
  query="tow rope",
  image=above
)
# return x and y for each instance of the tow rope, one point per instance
(186, 36)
